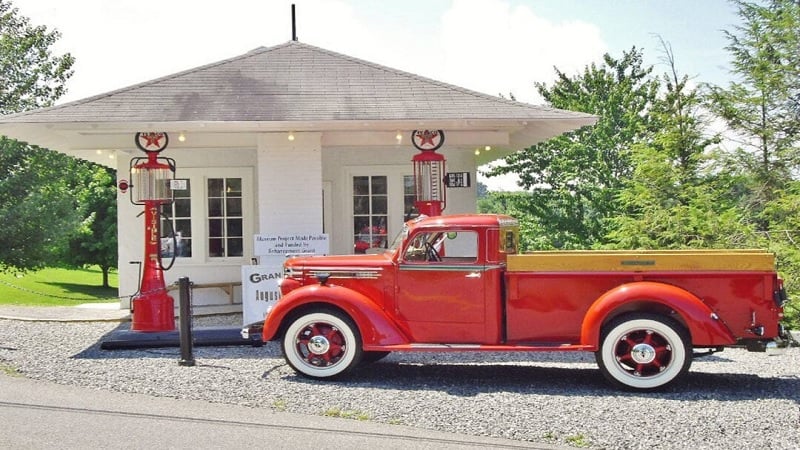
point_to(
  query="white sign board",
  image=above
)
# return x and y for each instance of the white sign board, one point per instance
(260, 290)
(290, 244)
(260, 282)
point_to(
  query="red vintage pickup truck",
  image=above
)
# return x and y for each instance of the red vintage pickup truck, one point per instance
(456, 283)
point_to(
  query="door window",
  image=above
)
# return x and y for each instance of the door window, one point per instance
(370, 212)
(225, 220)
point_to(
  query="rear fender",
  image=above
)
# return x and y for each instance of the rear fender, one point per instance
(375, 327)
(703, 324)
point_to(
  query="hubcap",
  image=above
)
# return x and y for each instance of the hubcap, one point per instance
(643, 353)
(318, 345)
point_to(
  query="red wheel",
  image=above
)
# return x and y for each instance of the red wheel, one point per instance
(322, 344)
(644, 351)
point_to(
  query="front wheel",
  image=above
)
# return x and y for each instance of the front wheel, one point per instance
(322, 344)
(644, 351)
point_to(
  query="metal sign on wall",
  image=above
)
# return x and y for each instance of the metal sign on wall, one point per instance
(457, 180)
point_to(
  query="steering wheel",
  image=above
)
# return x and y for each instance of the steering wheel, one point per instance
(433, 255)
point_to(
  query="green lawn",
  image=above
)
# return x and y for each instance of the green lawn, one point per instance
(57, 287)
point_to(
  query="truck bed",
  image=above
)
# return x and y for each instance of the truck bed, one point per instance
(641, 261)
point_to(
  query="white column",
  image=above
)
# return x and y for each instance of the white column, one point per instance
(289, 183)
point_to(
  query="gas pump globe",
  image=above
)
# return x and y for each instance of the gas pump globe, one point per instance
(429, 172)
(153, 308)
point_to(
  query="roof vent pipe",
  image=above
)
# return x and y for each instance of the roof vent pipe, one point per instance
(294, 27)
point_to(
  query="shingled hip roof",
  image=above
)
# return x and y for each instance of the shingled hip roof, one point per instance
(292, 82)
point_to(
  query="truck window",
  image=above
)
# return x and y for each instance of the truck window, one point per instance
(444, 246)
(508, 242)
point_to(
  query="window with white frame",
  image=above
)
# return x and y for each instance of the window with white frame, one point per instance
(381, 199)
(176, 224)
(212, 218)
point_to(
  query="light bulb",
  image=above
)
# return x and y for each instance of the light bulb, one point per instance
(291, 136)
(182, 137)
(477, 151)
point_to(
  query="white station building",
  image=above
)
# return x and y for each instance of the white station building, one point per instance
(290, 139)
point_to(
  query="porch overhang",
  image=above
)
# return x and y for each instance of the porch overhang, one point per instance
(96, 141)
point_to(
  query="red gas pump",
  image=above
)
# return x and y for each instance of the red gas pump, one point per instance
(153, 309)
(429, 172)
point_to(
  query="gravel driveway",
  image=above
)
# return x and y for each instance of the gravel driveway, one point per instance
(732, 400)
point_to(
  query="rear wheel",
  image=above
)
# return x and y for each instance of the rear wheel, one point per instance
(644, 351)
(322, 344)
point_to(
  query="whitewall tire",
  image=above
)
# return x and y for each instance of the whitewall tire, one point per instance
(322, 344)
(644, 351)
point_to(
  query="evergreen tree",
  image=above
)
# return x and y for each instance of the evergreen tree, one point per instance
(761, 106)
(675, 197)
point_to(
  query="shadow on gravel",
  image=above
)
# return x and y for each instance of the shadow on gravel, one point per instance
(270, 350)
(469, 380)
(476, 373)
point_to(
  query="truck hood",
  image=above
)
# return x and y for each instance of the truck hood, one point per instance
(338, 263)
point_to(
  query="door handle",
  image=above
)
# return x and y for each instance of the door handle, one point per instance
(474, 275)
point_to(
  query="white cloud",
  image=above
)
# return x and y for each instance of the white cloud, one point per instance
(494, 48)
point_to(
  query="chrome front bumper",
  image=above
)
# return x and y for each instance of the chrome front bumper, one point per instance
(252, 330)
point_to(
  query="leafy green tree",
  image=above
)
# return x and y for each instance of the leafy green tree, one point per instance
(532, 235)
(30, 75)
(574, 178)
(36, 205)
(95, 240)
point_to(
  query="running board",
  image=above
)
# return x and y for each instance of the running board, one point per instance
(538, 347)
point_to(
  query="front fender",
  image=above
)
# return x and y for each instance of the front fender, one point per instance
(704, 326)
(375, 327)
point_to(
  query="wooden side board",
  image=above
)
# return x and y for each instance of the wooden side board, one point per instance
(642, 261)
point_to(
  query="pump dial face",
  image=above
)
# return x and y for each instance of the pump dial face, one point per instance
(152, 141)
(427, 140)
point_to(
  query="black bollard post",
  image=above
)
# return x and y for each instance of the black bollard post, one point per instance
(185, 313)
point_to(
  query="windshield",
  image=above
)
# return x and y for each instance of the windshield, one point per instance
(398, 240)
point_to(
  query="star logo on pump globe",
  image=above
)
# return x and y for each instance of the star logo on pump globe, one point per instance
(427, 139)
(152, 141)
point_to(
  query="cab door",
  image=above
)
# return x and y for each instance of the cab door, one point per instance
(440, 290)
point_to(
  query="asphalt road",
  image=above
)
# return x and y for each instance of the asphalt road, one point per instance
(38, 414)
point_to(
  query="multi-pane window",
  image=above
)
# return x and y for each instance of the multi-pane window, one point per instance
(370, 212)
(176, 224)
(225, 220)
